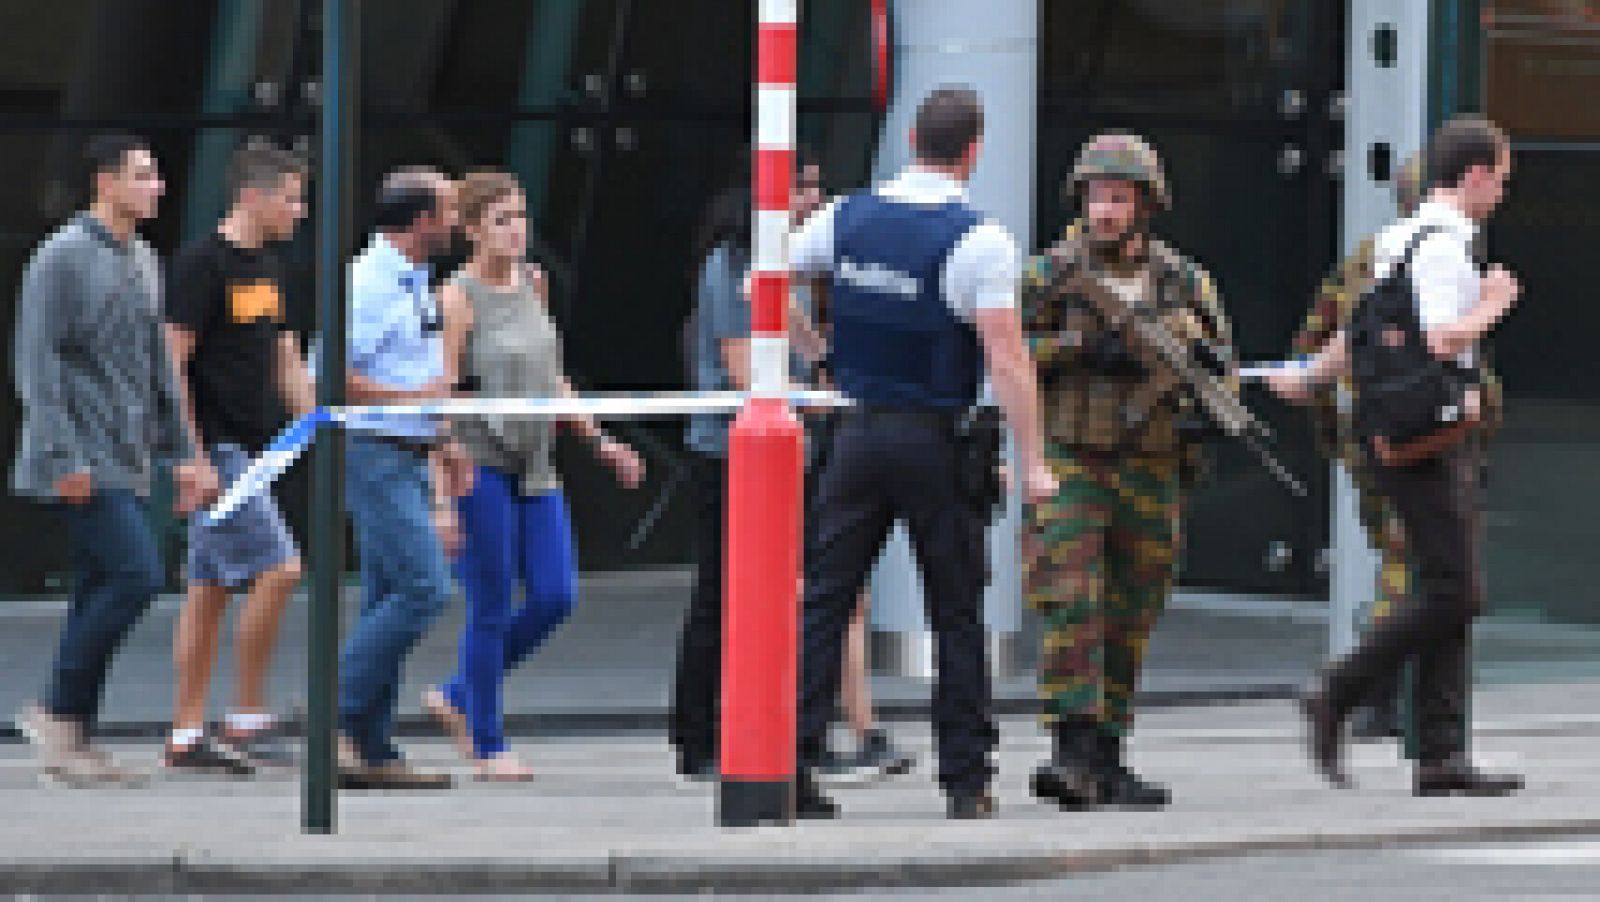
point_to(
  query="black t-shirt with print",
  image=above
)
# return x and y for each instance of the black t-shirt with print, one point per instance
(231, 298)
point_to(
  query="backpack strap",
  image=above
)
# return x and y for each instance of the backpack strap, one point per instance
(1423, 234)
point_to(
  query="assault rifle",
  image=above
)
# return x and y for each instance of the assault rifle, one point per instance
(1173, 365)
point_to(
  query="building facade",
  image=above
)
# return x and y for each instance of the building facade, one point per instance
(624, 116)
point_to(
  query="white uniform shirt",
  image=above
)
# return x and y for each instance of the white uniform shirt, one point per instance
(1443, 274)
(981, 273)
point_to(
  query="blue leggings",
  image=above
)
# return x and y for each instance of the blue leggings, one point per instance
(507, 535)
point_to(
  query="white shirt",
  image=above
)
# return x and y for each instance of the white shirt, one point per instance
(981, 273)
(1443, 274)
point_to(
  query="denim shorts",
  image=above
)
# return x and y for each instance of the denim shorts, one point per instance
(253, 541)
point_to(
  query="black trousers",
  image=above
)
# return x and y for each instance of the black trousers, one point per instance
(698, 682)
(886, 466)
(1438, 501)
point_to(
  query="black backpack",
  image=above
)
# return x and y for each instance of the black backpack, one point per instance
(1409, 404)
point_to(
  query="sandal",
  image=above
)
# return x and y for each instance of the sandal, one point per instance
(502, 768)
(452, 720)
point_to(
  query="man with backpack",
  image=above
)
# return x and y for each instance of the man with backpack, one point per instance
(1426, 464)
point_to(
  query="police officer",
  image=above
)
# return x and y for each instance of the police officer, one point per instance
(922, 294)
(1122, 439)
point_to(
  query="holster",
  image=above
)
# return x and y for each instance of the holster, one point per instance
(820, 430)
(980, 440)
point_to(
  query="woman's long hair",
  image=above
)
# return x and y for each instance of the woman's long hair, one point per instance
(727, 218)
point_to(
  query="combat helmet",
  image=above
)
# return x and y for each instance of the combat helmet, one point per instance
(1411, 184)
(1121, 155)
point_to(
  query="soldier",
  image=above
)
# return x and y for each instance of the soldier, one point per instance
(1123, 441)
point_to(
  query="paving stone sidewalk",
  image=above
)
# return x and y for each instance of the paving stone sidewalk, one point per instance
(606, 814)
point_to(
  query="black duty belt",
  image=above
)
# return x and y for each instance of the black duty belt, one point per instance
(932, 416)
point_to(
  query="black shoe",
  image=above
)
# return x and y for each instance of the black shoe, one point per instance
(1074, 787)
(697, 762)
(391, 775)
(203, 756)
(809, 802)
(698, 769)
(974, 806)
(1459, 778)
(1325, 738)
(1072, 777)
(268, 747)
(1120, 787)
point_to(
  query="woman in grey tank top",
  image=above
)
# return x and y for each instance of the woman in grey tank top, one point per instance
(515, 526)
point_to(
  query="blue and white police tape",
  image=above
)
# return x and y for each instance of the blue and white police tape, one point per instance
(284, 450)
(278, 457)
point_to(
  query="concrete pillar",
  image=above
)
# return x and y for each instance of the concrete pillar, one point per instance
(1385, 122)
(991, 45)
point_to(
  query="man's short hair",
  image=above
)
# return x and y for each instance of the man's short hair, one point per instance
(109, 152)
(1459, 145)
(262, 165)
(948, 122)
(406, 193)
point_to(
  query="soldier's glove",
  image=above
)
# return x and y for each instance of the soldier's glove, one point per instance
(1194, 426)
(1107, 352)
(1210, 358)
(1052, 374)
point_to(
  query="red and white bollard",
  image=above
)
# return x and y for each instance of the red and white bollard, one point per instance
(765, 460)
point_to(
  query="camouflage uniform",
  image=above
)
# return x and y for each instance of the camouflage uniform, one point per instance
(1100, 556)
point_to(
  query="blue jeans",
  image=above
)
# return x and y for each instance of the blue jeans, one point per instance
(507, 536)
(116, 573)
(405, 583)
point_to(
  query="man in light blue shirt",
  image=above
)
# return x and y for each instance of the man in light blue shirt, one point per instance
(399, 506)
(396, 338)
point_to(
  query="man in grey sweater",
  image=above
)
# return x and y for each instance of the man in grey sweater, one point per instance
(99, 410)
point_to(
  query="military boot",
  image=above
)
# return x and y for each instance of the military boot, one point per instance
(1071, 778)
(1120, 787)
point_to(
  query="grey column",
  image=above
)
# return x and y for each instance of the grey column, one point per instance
(992, 46)
(1385, 114)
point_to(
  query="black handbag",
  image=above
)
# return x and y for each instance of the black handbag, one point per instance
(1409, 404)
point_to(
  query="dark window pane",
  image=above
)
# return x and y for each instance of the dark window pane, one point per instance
(493, 57)
(122, 59)
(837, 59)
(1203, 56)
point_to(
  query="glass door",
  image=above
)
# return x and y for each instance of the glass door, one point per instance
(1544, 608)
(1241, 100)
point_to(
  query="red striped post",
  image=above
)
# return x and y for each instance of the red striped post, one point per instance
(765, 449)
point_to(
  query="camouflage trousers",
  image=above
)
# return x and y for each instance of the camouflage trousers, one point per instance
(1387, 535)
(1099, 564)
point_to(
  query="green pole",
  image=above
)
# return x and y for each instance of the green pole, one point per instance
(340, 65)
